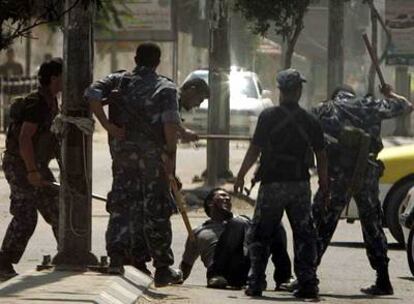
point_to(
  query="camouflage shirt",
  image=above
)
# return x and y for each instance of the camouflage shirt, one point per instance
(148, 102)
(365, 113)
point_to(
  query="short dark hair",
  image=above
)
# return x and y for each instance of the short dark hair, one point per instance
(342, 88)
(198, 84)
(148, 54)
(52, 67)
(209, 198)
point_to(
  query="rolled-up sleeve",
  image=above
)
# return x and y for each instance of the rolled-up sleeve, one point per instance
(169, 100)
(102, 88)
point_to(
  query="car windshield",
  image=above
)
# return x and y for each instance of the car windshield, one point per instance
(240, 84)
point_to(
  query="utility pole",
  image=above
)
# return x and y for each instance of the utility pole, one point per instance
(75, 208)
(219, 105)
(402, 86)
(335, 45)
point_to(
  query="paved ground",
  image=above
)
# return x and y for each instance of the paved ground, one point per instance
(344, 271)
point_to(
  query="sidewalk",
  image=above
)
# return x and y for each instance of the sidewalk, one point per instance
(74, 287)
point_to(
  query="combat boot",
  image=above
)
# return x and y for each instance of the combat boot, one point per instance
(306, 292)
(166, 275)
(218, 282)
(255, 287)
(116, 265)
(6, 268)
(382, 286)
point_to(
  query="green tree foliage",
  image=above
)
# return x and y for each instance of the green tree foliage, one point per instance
(285, 17)
(19, 17)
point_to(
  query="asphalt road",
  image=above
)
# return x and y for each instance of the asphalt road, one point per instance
(344, 270)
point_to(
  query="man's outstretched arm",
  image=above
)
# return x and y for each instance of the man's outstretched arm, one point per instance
(249, 159)
(190, 255)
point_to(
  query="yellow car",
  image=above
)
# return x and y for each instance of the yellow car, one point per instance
(397, 179)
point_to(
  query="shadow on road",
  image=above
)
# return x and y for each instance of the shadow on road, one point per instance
(391, 246)
(407, 278)
(160, 295)
(30, 282)
(356, 297)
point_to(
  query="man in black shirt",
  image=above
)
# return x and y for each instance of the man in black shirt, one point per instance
(284, 136)
(30, 145)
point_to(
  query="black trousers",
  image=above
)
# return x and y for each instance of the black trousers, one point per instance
(231, 259)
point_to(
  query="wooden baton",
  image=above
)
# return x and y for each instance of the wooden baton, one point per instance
(374, 59)
(95, 196)
(181, 208)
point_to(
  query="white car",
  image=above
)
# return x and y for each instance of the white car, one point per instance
(247, 100)
(407, 224)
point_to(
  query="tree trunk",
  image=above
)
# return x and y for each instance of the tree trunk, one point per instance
(402, 86)
(335, 45)
(288, 56)
(291, 42)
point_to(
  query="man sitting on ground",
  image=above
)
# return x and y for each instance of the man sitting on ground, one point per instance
(220, 241)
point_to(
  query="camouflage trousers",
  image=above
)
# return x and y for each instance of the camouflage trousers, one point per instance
(273, 200)
(140, 207)
(370, 213)
(25, 202)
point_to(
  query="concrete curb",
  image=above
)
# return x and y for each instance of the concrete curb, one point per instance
(75, 287)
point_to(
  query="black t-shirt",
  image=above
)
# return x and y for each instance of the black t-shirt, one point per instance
(285, 135)
(36, 110)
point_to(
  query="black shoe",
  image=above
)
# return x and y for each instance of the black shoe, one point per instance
(382, 286)
(307, 292)
(375, 290)
(253, 292)
(217, 282)
(166, 275)
(6, 269)
(116, 265)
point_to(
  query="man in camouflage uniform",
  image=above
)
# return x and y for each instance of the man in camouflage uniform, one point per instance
(143, 126)
(283, 137)
(365, 113)
(30, 146)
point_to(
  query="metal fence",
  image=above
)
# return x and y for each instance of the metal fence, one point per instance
(11, 87)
